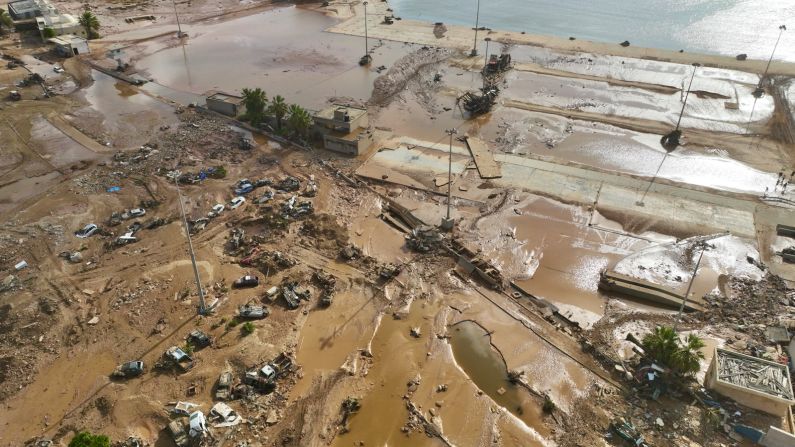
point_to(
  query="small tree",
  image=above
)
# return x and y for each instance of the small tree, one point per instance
(256, 101)
(86, 439)
(248, 328)
(48, 33)
(278, 109)
(299, 121)
(90, 22)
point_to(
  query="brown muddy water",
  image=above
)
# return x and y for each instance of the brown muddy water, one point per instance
(285, 51)
(485, 366)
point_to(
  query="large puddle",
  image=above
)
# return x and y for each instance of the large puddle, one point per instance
(284, 50)
(485, 366)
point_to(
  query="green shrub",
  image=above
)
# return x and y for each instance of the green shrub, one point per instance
(49, 33)
(86, 439)
(248, 328)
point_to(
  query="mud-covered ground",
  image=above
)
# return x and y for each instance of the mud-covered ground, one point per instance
(574, 161)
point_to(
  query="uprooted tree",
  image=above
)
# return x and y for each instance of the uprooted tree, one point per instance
(681, 355)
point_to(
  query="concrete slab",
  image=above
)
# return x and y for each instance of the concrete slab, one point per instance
(484, 158)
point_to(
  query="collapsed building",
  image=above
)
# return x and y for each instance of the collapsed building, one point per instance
(753, 382)
(344, 129)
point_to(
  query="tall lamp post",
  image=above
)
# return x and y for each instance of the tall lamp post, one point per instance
(202, 304)
(488, 39)
(759, 90)
(692, 280)
(447, 222)
(671, 140)
(366, 59)
(180, 34)
(477, 21)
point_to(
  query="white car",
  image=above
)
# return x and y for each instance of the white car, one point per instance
(137, 212)
(87, 231)
(237, 202)
(58, 69)
(216, 210)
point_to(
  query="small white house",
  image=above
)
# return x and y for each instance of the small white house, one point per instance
(70, 45)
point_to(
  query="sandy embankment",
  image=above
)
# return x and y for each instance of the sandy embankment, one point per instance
(462, 37)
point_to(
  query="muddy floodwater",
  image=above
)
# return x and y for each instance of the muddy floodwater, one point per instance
(485, 366)
(285, 51)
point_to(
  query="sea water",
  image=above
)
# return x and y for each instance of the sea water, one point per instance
(727, 27)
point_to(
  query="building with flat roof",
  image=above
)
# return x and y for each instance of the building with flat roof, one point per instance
(344, 129)
(70, 45)
(60, 24)
(226, 104)
(25, 9)
(756, 383)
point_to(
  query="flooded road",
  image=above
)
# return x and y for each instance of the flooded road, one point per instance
(284, 50)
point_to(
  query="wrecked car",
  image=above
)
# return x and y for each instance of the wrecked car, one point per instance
(128, 370)
(87, 231)
(237, 202)
(253, 312)
(223, 391)
(175, 357)
(246, 281)
(199, 339)
(178, 433)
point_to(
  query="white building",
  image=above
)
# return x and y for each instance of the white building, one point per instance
(70, 45)
(60, 23)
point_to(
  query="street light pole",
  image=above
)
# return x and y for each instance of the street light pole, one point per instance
(447, 223)
(692, 280)
(477, 21)
(486, 62)
(759, 90)
(366, 45)
(202, 305)
(670, 140)
(179, 27)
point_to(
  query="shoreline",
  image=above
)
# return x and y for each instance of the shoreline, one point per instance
(462, 38)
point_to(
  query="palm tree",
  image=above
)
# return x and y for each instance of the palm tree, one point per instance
(256, 101)
(90, 22)
(278, 109)
(299, 121)
(665, 346)
(688, 357)
(661, 345)
(5, 20)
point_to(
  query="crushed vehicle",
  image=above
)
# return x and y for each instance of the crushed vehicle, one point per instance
(14, 95)
(262, 182)
(244, 189)
(236, 238)
(128, 370)
(199, 339)
(326, 283)
(292, 295)
(184, 408)
(246, 281)
(126, 238)
(133, 213)
(264, 378)
(264, 198)
(289, 184)
(197, 424)
(223, 390)
(253, 312)
(87, 231)
(175, 357)
(216, 210)
(237, 202)
(198, 224)
(294, 209)
(224, 415)
(178, 432)
(389, 271)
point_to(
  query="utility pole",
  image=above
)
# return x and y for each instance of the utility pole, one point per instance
(486, 63)
(477, 21)
(202, 305)
(366, 59)
(671, 140)
(447, 222)
(759, 90)
(693, 279)
(179, 27)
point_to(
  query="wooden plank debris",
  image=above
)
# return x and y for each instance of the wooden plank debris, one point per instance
(484, 159)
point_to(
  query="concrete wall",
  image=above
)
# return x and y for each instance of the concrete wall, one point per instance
(777, 438)
(222, 107)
